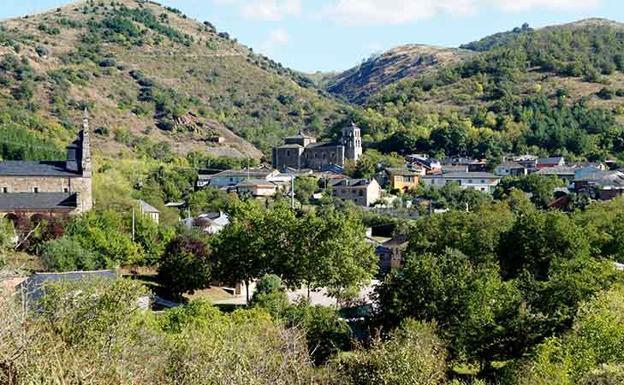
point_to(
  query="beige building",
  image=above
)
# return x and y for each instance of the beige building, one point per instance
(257, 188)
(362, 192)
(49, 187)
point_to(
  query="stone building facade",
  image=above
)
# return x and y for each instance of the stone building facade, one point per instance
(49, 187)
(303, 151)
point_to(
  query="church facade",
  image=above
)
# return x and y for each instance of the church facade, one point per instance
(304, 152)
(49, 188)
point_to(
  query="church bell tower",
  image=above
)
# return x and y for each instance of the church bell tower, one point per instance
(352, 142)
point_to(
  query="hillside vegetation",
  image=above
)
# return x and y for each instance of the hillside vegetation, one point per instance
(557, 90)
(407, 61)
(148, 75)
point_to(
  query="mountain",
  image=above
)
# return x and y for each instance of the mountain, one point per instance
(151, 78)
(557, 90)
(364, 80)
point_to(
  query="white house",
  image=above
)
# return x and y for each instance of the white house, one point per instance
(210, 223)
(510, 168)
(149, 211)
(230, 178)
(480, 181)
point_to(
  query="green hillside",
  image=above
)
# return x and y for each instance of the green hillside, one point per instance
(148, 75)
(557, 90)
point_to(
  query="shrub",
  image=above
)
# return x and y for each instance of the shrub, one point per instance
(414, 355)
(67, 254)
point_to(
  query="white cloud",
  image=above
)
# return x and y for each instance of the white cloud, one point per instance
(276, 38)
(525, 5)
(387, 12)
(271, 10)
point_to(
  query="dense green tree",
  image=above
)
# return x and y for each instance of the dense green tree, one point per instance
(305, 187)
(239, 250)
(186, 265)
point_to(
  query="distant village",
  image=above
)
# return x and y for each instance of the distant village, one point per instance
(64, 188)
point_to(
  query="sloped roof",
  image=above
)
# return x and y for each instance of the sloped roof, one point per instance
(557, 170)
(551, 160)
(402, 171)
(351, 183)
(33, 286)
(38, 201)
(35, 168)
(510, 164)
(252, 172)
(147, 208)
(324, 144)
(463, 175)
(256, 182)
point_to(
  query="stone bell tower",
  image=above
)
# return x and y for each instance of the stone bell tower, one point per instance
(352, 142)
(85, 147)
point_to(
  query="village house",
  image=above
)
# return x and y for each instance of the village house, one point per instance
(360, 191)
(209, 223)
(391, 254)
(510, 168)
(557, 161)
(403, 179)
(470, 165)
(258, 188)
(527, 160)
(430, 165)
(602, 185)
(480, 181)
(231, 178)
(303, 151)
(49, 188)
(562, 172)
(149, 211)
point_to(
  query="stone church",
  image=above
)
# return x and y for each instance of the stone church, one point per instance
(49, 188)
(304, 152)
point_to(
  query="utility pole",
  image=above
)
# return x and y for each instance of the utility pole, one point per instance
(292, 192)
(133, 225)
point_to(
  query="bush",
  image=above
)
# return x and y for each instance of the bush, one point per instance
(414, 355)
(67, 254)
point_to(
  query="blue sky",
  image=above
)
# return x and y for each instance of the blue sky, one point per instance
(311, 35)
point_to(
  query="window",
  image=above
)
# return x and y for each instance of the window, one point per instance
(361, 193)
(482, 180)
(469, 180)
(36, 190)
(5, 190)
(287, 152)
(66, 190)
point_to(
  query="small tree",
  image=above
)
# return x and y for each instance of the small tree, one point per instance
(186, 265)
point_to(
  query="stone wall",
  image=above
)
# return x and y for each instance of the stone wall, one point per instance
(318, 157)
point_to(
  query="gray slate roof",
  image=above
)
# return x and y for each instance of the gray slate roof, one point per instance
(463, 175)
(351, 183)
(324, 145)
(38, 201)
(33, 287)
(35, 168)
